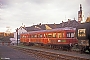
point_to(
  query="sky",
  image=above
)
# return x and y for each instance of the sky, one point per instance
(32, 12)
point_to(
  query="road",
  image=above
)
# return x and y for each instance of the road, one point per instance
(7, 53)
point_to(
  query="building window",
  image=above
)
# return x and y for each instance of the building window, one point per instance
(81, 32)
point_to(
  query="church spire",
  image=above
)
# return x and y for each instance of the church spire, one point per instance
(80, 18)
(80, 7)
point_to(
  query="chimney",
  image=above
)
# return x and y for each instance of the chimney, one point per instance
(24, 26)
(54, 25)
(62, 24)
(40, 24)
(69, 19)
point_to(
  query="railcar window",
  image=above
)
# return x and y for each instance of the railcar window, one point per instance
(35, 36)
(60, 35)
(70, 35)
(54, 35)
(63, 35)
(31, 36)
(40, 35)
(50, 35)
(23, 36)
(81, 32)
(44, 35)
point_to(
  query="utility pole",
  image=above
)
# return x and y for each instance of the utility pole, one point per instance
(17, 35)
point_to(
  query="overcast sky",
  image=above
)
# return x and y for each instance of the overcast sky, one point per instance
(15, 12)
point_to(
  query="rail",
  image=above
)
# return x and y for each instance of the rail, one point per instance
(49, 55)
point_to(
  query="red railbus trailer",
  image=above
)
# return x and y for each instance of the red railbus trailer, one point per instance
(55, 38)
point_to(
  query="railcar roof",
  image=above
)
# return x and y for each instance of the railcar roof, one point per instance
(57, 29)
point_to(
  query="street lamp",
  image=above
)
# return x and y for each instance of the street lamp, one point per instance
(17, 35)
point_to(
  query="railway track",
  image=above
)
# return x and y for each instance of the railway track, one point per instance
(48, 55)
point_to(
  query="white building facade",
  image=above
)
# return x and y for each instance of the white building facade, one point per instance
(20, 31)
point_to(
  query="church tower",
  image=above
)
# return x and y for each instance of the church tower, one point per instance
(80, 18)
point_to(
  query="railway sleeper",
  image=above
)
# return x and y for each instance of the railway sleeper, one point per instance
(49, 55)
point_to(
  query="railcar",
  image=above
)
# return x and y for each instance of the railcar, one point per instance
(54, 38)
(83, 36)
